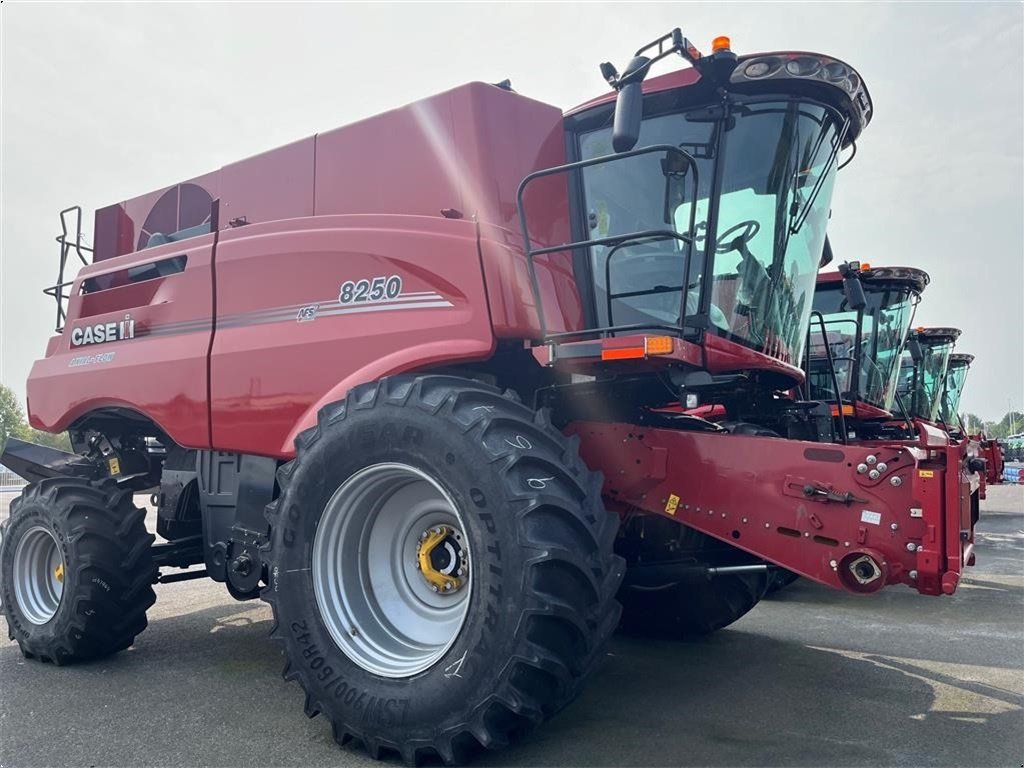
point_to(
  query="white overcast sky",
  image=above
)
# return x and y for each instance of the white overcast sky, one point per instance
(105, 102)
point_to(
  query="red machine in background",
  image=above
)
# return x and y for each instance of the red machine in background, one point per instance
(418, 383)
(985, 449)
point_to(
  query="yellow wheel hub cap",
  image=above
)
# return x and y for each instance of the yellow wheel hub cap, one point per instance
(441, 559)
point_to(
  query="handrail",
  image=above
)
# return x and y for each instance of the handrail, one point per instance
(617, 240)
(56, 290)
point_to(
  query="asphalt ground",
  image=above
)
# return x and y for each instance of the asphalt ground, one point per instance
(811, 677)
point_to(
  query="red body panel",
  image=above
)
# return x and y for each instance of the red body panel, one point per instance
(993, 455)
(750, 492)
(159, 374)
(426, 192)
(270, 373)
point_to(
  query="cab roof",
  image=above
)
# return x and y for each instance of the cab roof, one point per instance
(880, 278)
(802, 71)
(938, 335)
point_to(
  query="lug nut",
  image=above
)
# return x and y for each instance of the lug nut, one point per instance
(911, 546)
(423, 536)
(460, 572)
(894, 527)
(895, 481)
(448, 587)
(913, 575)
(873, 474)
(434, 587)
(871, 459)
(862, 468)
(882, 466)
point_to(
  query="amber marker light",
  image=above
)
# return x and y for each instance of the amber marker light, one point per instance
(659, 345)
(653, 345)
(721, 43)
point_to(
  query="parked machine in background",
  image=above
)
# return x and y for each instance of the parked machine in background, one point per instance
(420, 382)
(923, 370)
(953, 389)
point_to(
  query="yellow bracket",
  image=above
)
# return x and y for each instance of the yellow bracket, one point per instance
(58, 573)
(433, 576)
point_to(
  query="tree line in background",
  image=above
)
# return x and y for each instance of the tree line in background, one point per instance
(1011, 424)
(14, 424)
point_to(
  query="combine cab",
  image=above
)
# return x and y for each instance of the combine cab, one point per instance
(923, 370)
(426, 384)
(953, 389)
(862, 317)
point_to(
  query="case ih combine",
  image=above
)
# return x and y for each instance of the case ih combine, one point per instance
(987, 449)
(420, 383)
(862, 319)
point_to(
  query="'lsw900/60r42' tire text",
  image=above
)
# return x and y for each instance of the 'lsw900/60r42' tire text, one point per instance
(442, 573)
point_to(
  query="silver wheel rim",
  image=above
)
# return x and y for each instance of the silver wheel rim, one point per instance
(38, 575)
(380, 607)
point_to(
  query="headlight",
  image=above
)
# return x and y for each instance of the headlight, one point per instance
(805, 66)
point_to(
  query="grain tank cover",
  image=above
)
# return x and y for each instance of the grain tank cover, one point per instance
(463, 151)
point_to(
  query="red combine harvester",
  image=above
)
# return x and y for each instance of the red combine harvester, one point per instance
(411, 382)
(862, 316)
(859, 326)
(952, 391)
(988, 450)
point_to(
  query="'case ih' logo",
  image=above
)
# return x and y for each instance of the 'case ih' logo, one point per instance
(103, 332)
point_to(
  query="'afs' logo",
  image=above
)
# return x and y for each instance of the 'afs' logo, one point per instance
(103, 332)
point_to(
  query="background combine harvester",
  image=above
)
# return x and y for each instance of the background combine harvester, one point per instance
(949, 414)
(443, 442)
(858, 330)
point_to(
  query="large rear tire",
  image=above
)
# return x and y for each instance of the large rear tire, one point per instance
(417, 483)
(695, 606)
(76, 572)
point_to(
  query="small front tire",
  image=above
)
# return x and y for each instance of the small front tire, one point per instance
(76, 571)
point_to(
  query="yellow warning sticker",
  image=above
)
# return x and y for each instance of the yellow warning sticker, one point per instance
(671, 504)
(925, 473)
(115, 466)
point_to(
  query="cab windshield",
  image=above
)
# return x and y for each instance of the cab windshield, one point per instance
(866, 346)
(773, 165)
(921, 383)
(955, 378)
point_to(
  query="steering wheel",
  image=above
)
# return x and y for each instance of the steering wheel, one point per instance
(741, 234)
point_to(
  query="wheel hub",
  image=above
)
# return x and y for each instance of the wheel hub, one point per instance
(442, 559)
(389, 543)
(38, 575)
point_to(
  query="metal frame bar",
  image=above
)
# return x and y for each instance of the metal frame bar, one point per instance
(617, 240)
(57, 290)
(832, 371)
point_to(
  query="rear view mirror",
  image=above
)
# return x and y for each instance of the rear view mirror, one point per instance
(852, 287)
(629, 107)
(915, 349)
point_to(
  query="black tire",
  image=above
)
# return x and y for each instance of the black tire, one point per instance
(693, 607)
(542, 602)
(107, 574)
